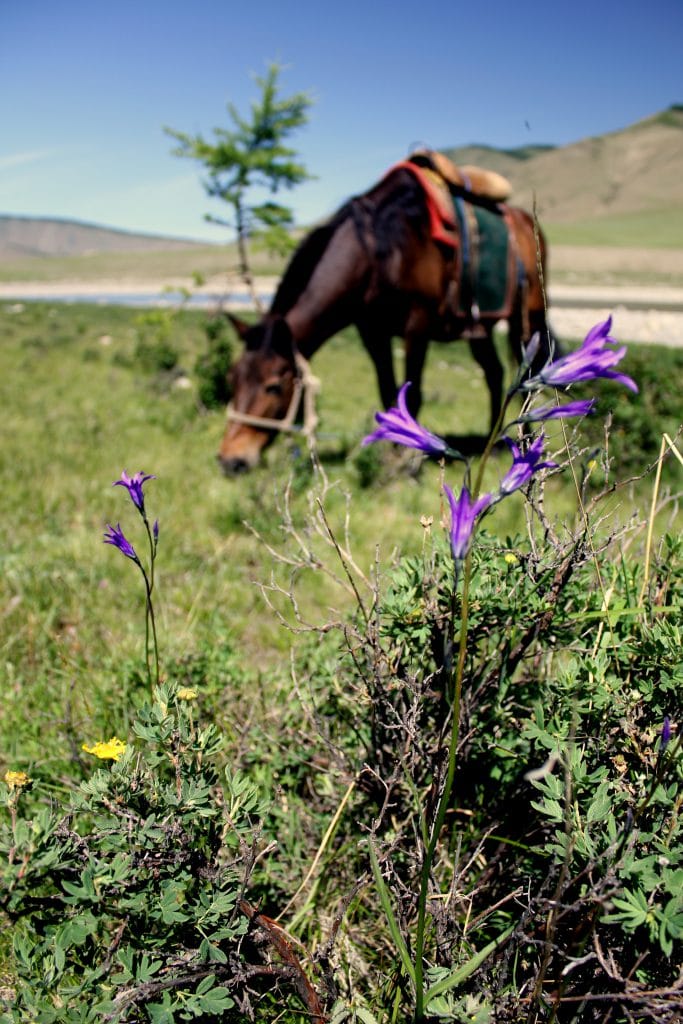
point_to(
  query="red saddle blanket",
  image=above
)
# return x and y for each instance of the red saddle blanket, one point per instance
(442, 219)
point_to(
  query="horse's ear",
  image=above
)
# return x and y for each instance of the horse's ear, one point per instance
(280, 339)
(241, 326)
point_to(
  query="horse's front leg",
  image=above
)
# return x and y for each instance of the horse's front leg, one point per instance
(415, 355)
(378, 346)
(484, 352)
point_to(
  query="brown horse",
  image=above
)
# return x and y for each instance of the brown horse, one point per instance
(376, 264)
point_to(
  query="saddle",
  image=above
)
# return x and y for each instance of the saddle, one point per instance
(477, 180)
(468, 215)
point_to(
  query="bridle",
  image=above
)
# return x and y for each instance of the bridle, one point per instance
(305, 388)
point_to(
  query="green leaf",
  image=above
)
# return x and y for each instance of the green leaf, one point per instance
(205, 984)
(216, 1001)
(601, 806)
(215, 954)
(671, 924)
(161, 1013)
(550, 809)
(465, 970)
(364, 1016)
(385, 900)
(632, 910)
(146, 968)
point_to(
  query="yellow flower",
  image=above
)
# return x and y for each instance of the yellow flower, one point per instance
(511, 559)
(186, 693)
(111, 750)
(16, 780)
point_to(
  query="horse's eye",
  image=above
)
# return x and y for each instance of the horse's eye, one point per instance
(273, 387)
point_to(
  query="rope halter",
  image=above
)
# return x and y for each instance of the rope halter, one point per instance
(305, 387)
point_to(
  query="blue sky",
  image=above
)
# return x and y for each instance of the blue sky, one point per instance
(86, 88)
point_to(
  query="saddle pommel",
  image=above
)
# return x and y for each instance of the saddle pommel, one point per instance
(478, 180)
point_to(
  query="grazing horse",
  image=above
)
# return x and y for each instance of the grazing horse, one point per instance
(389, 263)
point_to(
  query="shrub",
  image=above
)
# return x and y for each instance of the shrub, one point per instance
(212, 365)
(155, 350)
(126, 902)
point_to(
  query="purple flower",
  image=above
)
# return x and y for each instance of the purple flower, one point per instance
(530, 350)
(464, 513)
(116, 537)
(558, 412)
(665, 734)
(524, 465)
(399, 426)
(134, 485)
(155, 530)
(592, 360)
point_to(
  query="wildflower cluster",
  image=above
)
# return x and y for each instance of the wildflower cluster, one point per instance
(115, 536)
(594, 359)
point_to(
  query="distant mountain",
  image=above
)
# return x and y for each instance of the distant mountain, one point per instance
(43, 236)
(635, 170)
(632, 176)
(510, 162)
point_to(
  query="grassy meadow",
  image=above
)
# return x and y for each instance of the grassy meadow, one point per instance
(84, 395)
(637, 248)
(154, 265)
(80, 405)
(654, 229)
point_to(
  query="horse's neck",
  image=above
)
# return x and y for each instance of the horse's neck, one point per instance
(328, 301)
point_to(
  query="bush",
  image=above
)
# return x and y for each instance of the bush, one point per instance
(155, 351)
(563, 848)
(212, 365)
(126, 904)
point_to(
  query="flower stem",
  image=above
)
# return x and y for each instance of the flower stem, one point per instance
(149, 610)
(152, 552)
(493, 437)
(446, 793)
(150, 619)
(444, 800)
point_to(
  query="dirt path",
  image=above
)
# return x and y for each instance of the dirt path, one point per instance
(642, 314)
(647, 315)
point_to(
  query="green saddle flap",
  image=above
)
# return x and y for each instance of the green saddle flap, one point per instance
(488, 265)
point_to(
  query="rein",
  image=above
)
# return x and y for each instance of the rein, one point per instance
(306, 387)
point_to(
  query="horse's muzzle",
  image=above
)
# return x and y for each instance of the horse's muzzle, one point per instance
(234, 465)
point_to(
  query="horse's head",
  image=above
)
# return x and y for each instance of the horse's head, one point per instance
(262, 384)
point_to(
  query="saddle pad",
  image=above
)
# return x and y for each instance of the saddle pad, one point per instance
(488, 270)
(480, 237)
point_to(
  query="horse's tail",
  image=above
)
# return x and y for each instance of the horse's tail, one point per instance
(530, 314)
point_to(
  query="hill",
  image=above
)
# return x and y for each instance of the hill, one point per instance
(630, 180)
(33, 236)
(622, 189)
(510, 162)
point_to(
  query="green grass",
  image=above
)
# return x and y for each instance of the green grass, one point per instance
(659, 229)
(78, 408)
(652, 229)
(80, 404)
(155, 265)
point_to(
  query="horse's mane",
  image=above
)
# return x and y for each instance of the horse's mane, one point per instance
(391, 206)
(305, 259)
(399, 213)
